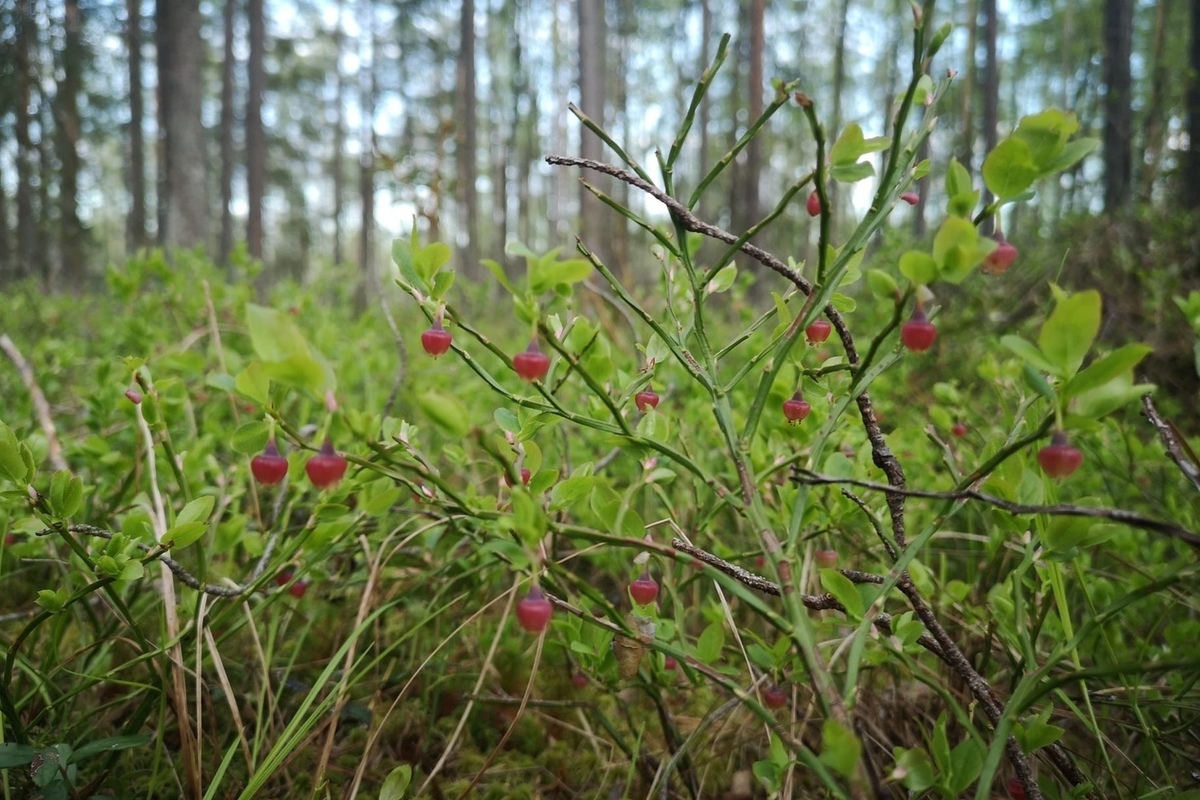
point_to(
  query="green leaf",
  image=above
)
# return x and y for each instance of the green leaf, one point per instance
(722, 280)
(53, 600)
(958, 180)
(1038, 732)
(253, 383)
(913, 769)
(66, 494)
(851, 173)
(429, 259)
(396, 784)
(507, 421)
(843, 302)
(545, 274)
(110, 744)
(711, 643)
(1067, 336)
(199, 510)
(15, 755)
(840, 748)
(12, 463)
(1038, 382)
(1045, 134)
(402, 256)
(846, 592)
(446, 411)
(849, 147)
(1010, 168)
(1027, 352)
(442, 283)
(1073, 153)
(1102, 370)
(768, 775)
(250, 438)
(286, 354)
(181, 536)
(918, 267)
(882, 284)
(966, 762)
(1107, 398)
(498, 272)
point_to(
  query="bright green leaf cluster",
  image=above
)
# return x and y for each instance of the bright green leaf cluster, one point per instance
(844, 164)
(1037, 148)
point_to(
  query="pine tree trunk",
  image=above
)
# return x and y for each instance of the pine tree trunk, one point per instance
(1118, 103)
(225, 248)
(466, 143)
(991, 95)
(1190, 174)
(339, 136)
(256, 137)
(135, 169)
(594, 218)
(25, 45)
(183, 181)
(67, 128)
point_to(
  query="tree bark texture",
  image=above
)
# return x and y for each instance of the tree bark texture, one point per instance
(183, 180)
(135, 168)
(228, 65)
(1118, 103)
(256, 138)
(466, 197)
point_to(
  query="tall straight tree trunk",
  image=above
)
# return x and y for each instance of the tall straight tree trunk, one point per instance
(991, 95)
(466, 197)
(966, 146)
(593, 98)
(135, 169)
(1159, 75)
(25, 46)
(1118, 103)
(5, 238)
(750, 177)
(706, 33)
(256, 137)
(183, 183)
(225, 248)
(339, 136)
(67, 145)
(1190, 174)
(368, 86)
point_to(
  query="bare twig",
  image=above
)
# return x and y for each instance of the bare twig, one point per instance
(40, 406)
(1119, 515)
(1173, 442)
(185, 577)
(814, 602)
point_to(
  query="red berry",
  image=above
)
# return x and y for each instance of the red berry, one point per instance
(134, 396)
(579, 680)
(327, 467)
(269, 467)
(818, 331)
(1016, 789)
(525, 476)
(1059, 459)
(531, 364)
(826, 559)
(918, 333)
(959, 430)
(646, 400)
(298, 589)
(534, 611)
(284, 576)
(436, 340)
(796, 409)
(999, 260)
(912, 198)
(775, 697)
(814, 204)
(644, 590)
(669, 663)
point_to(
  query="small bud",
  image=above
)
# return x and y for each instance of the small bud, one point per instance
(134, 396)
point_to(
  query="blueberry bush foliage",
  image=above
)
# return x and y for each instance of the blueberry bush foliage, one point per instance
(664, 539)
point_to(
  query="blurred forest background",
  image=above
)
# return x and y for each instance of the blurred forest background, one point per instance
(310, 132)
